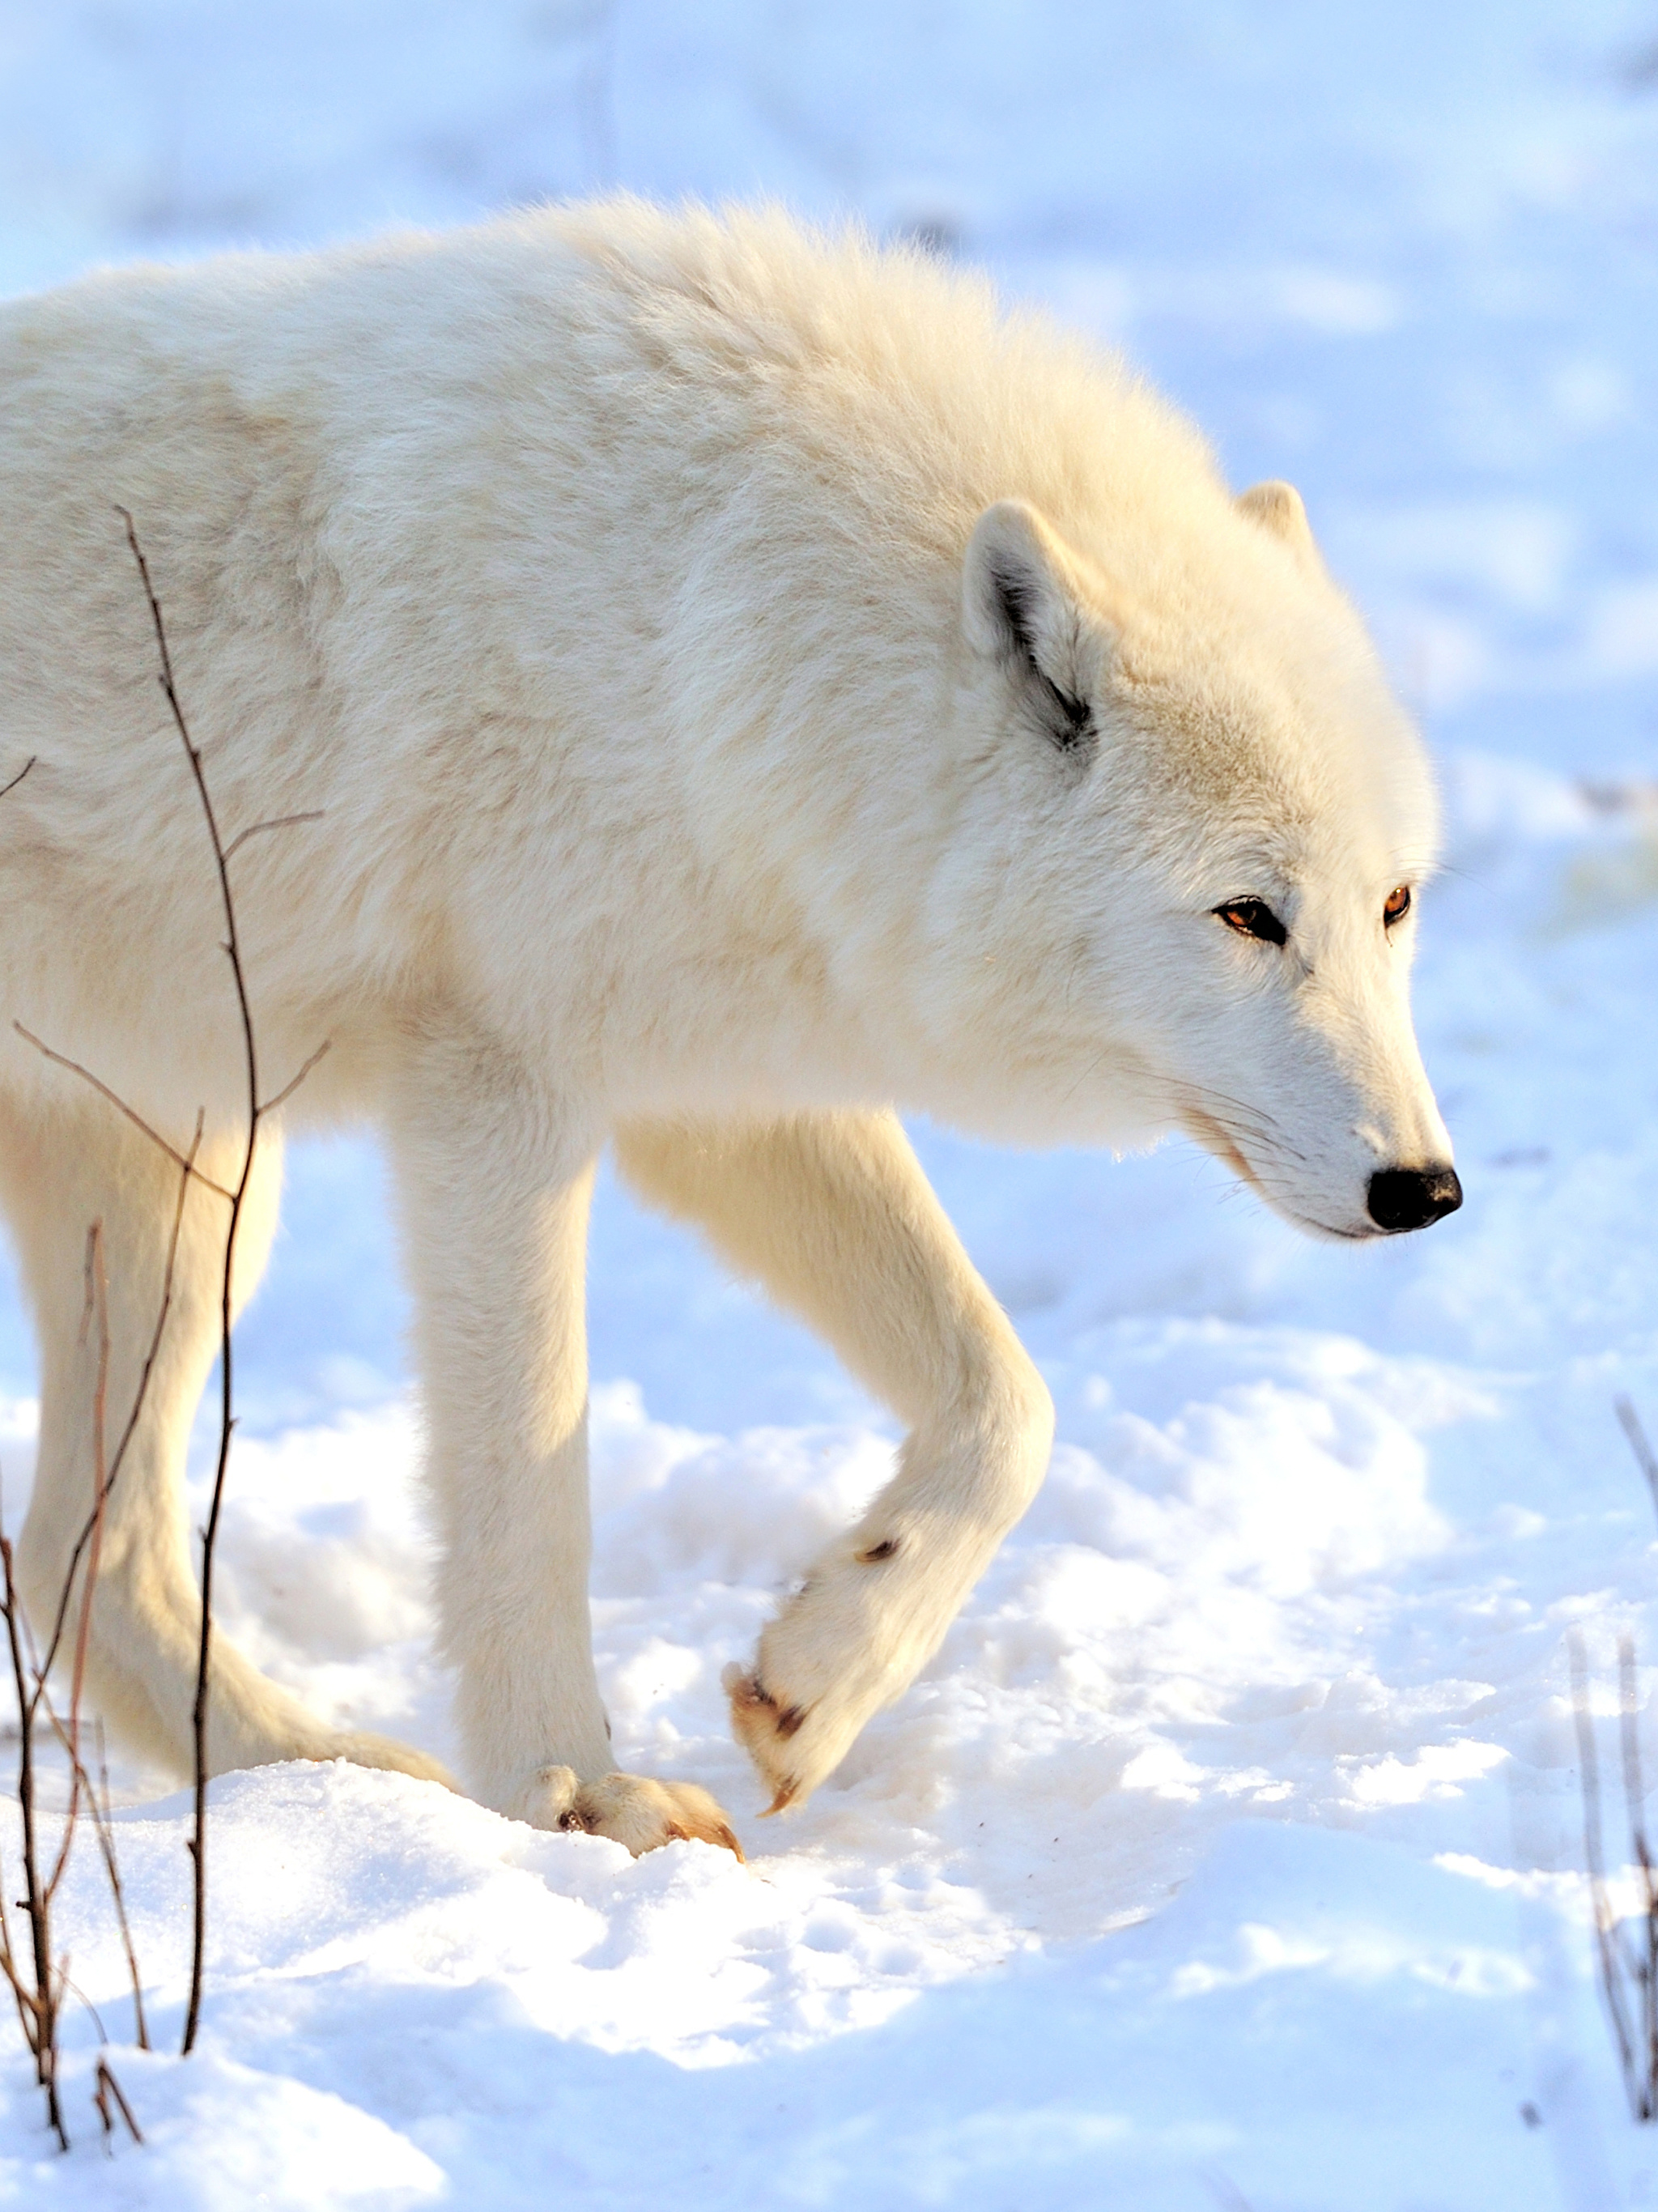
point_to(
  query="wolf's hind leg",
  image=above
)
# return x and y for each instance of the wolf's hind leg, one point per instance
(63, 1167)
(833, 1215)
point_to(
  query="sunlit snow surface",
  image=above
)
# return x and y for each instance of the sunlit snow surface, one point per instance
(1227, 1853)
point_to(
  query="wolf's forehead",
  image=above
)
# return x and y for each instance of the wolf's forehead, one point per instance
(1297, 783)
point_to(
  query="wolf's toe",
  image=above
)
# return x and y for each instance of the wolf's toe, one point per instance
(632, 1809)
(764, 1728)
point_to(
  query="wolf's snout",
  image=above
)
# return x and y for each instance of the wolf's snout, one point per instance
(1410, 1197)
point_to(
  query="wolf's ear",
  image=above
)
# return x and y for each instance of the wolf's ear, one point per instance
(1021, 605)
(1278, 507)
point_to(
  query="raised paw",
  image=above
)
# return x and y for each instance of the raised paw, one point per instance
(796, 1743)
(852, 1640)
(632, 1809)
(765, 1728)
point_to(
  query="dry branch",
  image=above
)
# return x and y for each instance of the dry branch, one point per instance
(36, 2002)
(1626, 1947)
(1645, 1458)
(187, 1169)
(109, 2088)
(40, 1989)
(97, 1311)
(258, 828)
(104, 1826)
(62, 1059)
(258, 1108)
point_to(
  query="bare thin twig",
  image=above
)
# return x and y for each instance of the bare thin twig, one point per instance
(62, 1059)
(256, 1110)
(97, 1802)
(98, 1305)
(1645, 1458)
(1628, 1965)
(258, 828)
(187, 1169)
(39, 1996)
(227, 1416)
(38, 2007)
(288, 1090)
(104, 1824)
(1646, 1960)
(108, 2086)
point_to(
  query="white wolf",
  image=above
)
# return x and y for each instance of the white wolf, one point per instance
(738, 682)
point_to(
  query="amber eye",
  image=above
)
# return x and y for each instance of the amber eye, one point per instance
(1253, 917)
(1396, 905)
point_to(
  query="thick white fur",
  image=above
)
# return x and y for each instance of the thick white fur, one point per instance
(745, 683)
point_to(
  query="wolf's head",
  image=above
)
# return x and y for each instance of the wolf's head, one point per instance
(1220, 824)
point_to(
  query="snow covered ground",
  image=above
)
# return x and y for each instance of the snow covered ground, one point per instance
(1227, 1855)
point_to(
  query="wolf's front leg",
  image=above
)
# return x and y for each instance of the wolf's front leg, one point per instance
(494, 1176)
(831, 1212)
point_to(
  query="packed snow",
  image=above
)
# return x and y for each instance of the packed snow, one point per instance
(1229, 1853)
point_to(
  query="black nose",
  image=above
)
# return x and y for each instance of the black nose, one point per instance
(1410, 1197)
